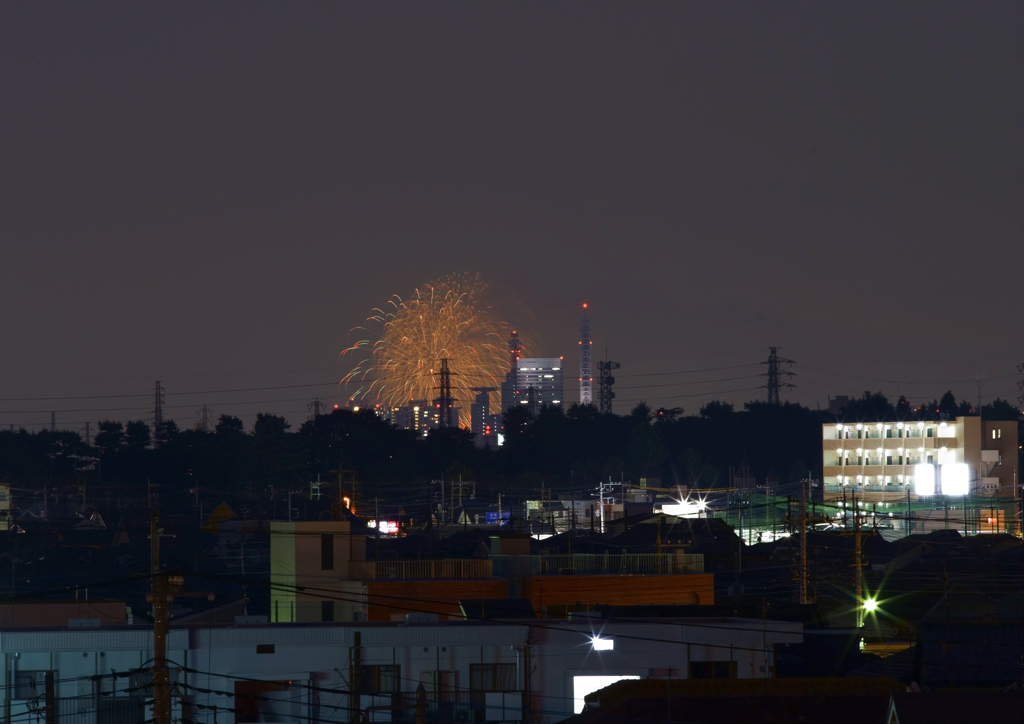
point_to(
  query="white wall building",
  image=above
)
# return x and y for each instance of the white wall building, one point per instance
(882, 461)
(470, 670)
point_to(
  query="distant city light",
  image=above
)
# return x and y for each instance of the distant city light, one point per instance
(388, 527)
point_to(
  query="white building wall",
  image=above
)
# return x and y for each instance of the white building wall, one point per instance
(315, 658)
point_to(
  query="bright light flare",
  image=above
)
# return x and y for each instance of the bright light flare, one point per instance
(956, 479)
(924, 479)
(685, 508)
(601, 644)
(870, 605)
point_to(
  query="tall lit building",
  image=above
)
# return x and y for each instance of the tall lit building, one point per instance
(586, 373)
(539, 382)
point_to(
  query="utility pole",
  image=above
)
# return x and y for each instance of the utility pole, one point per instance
(158, 596)
(163, 590)
(49, 699)
(53, 422)
(1018, 509)
(857, 583)
(376, 528)
(803, 541)
(88, 437)
(775, 372)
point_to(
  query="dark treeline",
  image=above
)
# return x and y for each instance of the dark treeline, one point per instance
(565, 450)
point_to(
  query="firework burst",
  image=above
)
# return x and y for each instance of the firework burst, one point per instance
(446, 318)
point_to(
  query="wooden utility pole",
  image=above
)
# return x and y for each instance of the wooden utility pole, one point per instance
(803, 542)
(527, 681)
(158, 597)
(163, 590)
(50, 699)
(857, 584)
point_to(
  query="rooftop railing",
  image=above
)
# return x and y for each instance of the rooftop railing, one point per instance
(590, 564)
(432, 570)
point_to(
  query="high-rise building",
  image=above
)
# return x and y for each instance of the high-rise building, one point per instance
(586, 373)
(539, 382)
(478, 413)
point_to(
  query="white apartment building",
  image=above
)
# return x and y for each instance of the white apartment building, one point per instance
(889, 461)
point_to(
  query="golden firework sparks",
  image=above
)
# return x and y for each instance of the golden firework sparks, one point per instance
(446, 318)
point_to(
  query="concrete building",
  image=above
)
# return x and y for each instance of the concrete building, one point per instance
(539, 382)
(967, 461)
(880, 460)
(484, 425)
(318, 573)
(5, 506)
(418, 416)
(484, 671)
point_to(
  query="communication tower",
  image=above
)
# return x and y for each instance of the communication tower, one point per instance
(515, 349)
(586, 374)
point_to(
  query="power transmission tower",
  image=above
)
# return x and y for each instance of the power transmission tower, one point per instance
(205, 419)
(316, 405)
(158, 406)
(604, 385)
(776, 374)
(444, 398)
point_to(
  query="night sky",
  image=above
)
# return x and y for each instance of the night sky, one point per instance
(213, 194)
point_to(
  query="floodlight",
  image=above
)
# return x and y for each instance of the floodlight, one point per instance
(956, 479)
(870, 605)
(601, 644)
(924, 479)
